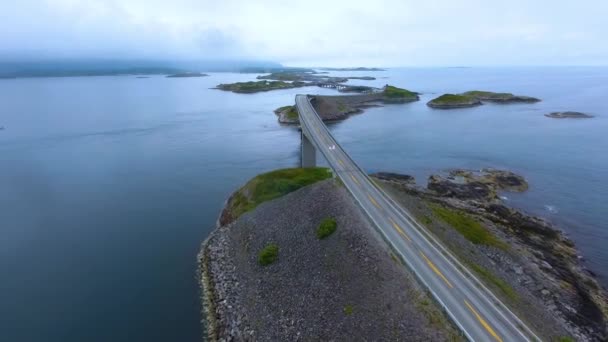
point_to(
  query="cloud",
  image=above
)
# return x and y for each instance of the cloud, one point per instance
(313, 32)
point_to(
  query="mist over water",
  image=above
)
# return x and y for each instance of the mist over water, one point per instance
(108, 185)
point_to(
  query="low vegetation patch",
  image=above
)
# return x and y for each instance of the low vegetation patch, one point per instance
(268, 254)
(326, 228)
(452, 99)
(393, 92)
(503, 286)
(470, 228)
(348, 310)
(487, 95)
(271, 185)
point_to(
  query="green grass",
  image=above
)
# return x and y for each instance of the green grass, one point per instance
(503, 286)
(426, 220)
(564, 339)
(326, 228)
(471, 229)
(487, 94)
(274, 184)
(348, 310)
(292, 113)
(393, 92)
(452, 99)
(268, 254)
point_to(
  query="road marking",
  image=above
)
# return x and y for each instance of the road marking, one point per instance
(400, 230)
(373, 201)
(341, 162)
(435, 269)
(355, 179)
(483, 322)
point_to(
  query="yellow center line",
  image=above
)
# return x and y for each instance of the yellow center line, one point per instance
(435, 269)
(355, 179)
(400, 230)
(373, 201)
(483, 322)
(341, 162)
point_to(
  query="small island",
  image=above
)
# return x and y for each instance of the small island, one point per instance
(259, 86)
(477, 97)
(568, 115)
(449, 101)
(188, 74)
(334, 108)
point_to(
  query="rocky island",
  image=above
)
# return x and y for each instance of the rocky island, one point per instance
(308, 266)
(295, 79)
(449, 101)
(188, 74)
(527, 262)
(475, 98)
(333, 108)
(568, 115)
(259, 86)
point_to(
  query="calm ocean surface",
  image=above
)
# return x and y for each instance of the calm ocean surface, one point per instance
(108, 185)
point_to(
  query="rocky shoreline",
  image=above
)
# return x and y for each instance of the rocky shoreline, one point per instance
(529, 263)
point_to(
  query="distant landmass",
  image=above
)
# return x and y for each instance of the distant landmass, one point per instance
(353, 69)
(104, 67)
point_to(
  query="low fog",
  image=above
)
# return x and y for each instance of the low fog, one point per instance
(310, 33)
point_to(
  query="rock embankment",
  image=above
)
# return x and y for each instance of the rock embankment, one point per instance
(335, 108)
(347, 286)
(527, 262)
(568, 115)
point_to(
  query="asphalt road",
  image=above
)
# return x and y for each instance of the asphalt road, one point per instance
(474, 309)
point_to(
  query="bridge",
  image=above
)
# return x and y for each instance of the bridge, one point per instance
(479, 314)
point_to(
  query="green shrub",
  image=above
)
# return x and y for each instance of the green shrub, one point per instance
(326, 228)
(348, 310)
(268, 254)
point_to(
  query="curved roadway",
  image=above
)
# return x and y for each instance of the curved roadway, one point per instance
(474, 309)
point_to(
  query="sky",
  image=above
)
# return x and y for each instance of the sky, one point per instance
(385, 33)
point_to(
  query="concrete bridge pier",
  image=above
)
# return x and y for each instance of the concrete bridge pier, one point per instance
(309, 153)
